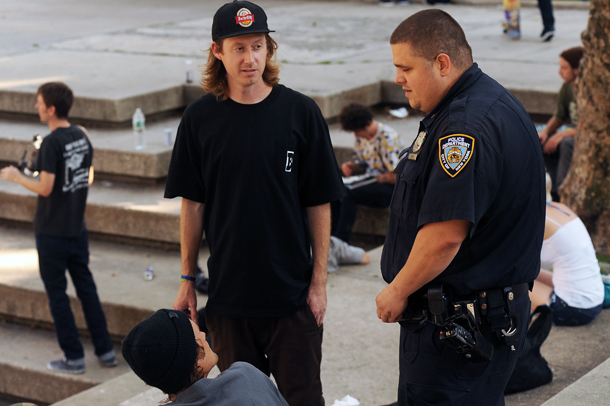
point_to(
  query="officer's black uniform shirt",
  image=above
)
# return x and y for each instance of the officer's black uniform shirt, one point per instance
(481, 161)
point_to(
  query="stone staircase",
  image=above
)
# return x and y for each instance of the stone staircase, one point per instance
(132, 55)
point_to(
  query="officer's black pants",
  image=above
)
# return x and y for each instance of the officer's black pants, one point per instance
(432, 373)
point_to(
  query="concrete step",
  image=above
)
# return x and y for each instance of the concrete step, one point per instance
(24, 353)
(121, 212)
(138, 213)
(115, 157)
(126, 297)
(588, 390)
(145, 63)
(109, 393)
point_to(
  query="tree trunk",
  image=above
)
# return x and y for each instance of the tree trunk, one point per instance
(587, 187)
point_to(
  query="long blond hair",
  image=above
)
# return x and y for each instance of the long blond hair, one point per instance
(214, 78)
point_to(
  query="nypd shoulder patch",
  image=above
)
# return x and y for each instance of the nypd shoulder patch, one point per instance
(454, 152)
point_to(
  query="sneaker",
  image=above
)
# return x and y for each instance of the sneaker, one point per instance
(108, 360)
(546, 36)
(68, 366)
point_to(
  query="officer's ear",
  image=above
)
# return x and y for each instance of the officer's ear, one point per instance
(444, 64)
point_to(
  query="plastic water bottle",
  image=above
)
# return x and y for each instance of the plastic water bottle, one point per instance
(167, 140)
(139, 125)
(149, 274)
(188, 65)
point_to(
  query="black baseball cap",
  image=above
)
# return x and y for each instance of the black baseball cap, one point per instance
(239, 18)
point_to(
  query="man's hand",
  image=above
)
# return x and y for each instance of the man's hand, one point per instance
(390, 304)
(43, 185)
(316, 299)
(347, 168)
(186, 301)
(387, 177)
(435, 246)
(543, 135)
(550, 146)
(10, 173)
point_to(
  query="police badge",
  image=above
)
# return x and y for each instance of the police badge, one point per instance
(454, 152)
(421, 137)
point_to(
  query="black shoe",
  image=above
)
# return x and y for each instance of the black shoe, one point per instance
(547, 35)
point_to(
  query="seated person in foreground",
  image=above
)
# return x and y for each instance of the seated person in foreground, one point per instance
(574, 290)
(168, 351)
(376, 153)
(557, 143)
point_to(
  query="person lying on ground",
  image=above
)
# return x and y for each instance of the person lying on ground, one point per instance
(341, 253)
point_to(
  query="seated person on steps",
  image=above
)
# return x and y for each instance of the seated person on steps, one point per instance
(169, 352)
(558, 144)
(376, 152)
(574, 290)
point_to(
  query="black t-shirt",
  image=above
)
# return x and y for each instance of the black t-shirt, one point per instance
(256, 168)
(481, 161)
(67, 153)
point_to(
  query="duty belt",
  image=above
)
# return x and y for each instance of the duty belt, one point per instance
(494, 306)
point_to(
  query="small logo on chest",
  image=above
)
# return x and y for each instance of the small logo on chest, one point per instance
(289, 160)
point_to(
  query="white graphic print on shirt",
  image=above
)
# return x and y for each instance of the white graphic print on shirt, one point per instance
(76, 177)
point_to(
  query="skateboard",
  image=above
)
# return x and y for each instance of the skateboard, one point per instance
(512, 9)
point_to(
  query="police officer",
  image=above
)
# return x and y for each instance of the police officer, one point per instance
(466, 223)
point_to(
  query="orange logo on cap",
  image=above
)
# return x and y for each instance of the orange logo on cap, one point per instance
(244, 17)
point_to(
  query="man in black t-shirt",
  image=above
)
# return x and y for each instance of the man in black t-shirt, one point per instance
(64, 163)
(466, 222)
(255, 168)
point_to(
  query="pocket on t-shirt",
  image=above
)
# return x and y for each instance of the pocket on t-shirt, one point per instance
(286, 161)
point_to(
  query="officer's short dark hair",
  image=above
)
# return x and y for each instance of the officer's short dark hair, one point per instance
(59, 95)
(573, 56)
(432, 32)
(355, 117)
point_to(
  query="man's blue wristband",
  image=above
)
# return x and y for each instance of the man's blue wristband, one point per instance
(188, 278)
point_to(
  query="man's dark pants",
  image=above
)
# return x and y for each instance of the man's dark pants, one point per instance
(288, 347)
(344, 211)
(55, 255)
(546, 11)
(432, 373)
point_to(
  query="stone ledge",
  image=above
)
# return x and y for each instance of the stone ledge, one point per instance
(108, 112)
(100, 111)
(591, 389)
(103, 219)
(31, 307)
(142, 168)
(110, 393)
(37, 385)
